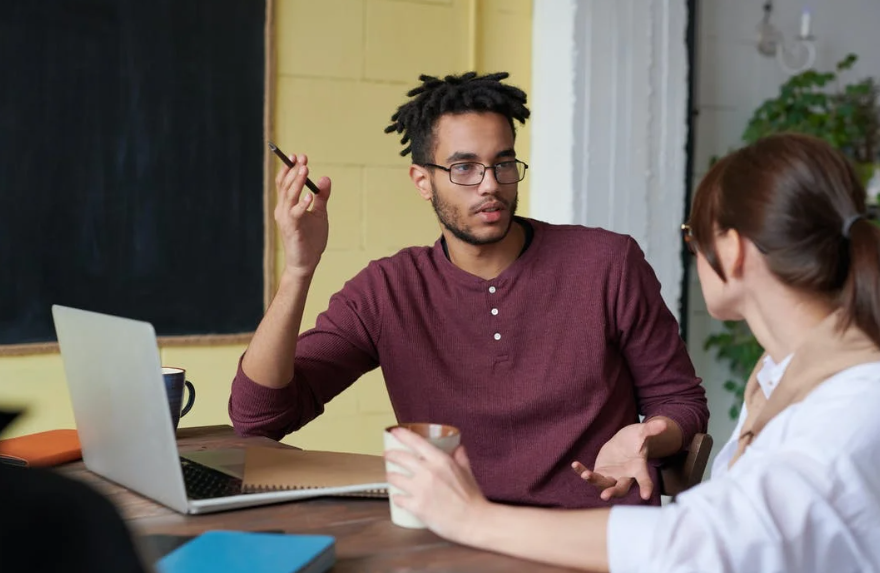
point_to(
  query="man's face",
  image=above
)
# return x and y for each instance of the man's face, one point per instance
(477, 214)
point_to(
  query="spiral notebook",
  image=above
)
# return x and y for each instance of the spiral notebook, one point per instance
(272, 469)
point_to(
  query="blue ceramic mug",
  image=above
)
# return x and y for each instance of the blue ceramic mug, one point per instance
(175, 381)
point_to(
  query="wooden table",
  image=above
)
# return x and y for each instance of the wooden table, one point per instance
(366, 540)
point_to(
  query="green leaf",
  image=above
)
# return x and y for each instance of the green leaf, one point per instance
(734, 411)
(847, 62)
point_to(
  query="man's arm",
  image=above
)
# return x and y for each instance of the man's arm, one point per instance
(667, 391)
(266, 399)
(269, 357)
(666, 385)
(329, 358)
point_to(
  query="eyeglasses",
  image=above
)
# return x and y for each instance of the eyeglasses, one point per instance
(472, 173)
(688, 237)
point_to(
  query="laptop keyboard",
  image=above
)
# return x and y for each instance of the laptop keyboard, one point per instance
(203, 482)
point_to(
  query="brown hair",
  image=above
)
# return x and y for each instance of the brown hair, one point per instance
(793, 195)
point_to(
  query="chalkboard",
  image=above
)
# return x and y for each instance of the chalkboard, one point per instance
(132, 163)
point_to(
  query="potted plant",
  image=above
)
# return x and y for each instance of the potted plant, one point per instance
(847, 117)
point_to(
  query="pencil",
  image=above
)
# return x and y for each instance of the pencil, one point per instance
(312, 187)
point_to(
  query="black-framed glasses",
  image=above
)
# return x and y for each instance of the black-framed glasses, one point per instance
(688, 237)
(472, 172)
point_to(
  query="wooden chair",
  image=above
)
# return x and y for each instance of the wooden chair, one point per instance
(686, 469)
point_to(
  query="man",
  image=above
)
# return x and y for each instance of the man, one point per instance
(542, 343)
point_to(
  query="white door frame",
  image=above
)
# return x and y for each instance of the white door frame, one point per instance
(609, 122)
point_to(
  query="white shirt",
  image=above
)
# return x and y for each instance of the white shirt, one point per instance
(768, 377)
(804, 497)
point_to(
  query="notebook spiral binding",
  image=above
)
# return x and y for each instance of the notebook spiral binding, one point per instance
(380, 493)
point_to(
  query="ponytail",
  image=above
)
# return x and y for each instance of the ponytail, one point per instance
(860, 298)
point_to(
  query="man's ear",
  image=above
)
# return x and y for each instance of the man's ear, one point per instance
(422, 180)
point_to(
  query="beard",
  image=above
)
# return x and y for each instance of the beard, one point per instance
(452, 220)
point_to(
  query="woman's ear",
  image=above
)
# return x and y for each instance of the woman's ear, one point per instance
(422, 180)
(731, 249)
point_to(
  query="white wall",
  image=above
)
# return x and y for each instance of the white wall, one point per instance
(609, 126)
(732, 80)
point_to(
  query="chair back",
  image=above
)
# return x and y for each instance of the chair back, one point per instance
(686, 470)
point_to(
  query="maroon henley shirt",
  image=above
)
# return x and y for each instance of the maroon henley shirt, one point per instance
(538, 367)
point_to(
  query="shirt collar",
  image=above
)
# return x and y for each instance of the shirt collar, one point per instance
(771, 373)
(527, 227)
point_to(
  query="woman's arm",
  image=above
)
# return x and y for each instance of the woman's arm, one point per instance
(442, 492)
(561, 537)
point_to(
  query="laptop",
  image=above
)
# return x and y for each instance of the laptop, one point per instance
(114, 376)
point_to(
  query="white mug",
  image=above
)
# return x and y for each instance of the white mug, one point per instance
(442, 436)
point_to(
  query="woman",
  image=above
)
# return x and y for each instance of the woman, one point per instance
(781, 241)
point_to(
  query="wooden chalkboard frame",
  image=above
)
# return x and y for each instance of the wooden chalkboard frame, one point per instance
(269, 197)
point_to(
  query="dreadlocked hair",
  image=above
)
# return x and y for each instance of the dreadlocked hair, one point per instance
(468, 92)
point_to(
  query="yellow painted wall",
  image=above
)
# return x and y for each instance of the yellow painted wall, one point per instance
(343, 67)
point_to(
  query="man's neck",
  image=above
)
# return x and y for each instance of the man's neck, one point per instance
(486, 261)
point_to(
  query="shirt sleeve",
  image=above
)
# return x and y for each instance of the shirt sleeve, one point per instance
(648, 335)
(329, 358)
(770, 515)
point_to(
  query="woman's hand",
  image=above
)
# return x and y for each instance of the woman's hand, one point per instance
(441, 490)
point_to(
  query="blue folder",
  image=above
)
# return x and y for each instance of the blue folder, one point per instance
(241, 552)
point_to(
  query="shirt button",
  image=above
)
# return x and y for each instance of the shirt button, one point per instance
(494, 312)
(492, 289)
(497, 336)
